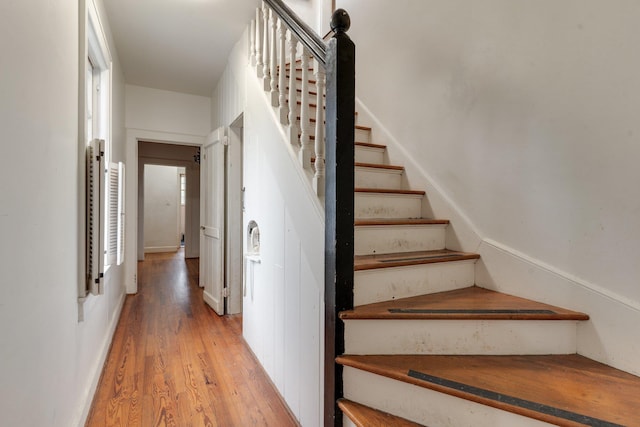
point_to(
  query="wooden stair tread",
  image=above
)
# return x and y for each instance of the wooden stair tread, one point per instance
(364, 416)
(368, 262)
(312, 138)
(565, 390)
(389, 191)
(370, 145)
(401, 221)
(467, 303)
(311, 81)
(313, 120)
(310, 92)
(378, 166)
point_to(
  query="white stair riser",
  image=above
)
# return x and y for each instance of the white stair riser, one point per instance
(385, 239)
(369, 155)
(425, 406)
(361, 135)
(380, 205)
(312, 113)
(299, 71)
(311, 93)
(492, 337)
(378, 178)
(382, 284)
(311, 87)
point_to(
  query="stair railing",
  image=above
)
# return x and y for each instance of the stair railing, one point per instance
(275, 36)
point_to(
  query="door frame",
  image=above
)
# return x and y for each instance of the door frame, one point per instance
(134, 136)
(234, 244)
(232, 222)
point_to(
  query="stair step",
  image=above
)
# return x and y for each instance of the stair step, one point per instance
(564, 390)
(379, 166)
(368, 262)
(385, 277)
(400, 221)
(369, 145)
(388, 203)
(313, 120)
(471, 320)
(299, 92)
(383, 236)
(389, 191)
(370, 153)
(467, 303)
(361, 133)
(373, 175)
(363, 416)
(299, 79)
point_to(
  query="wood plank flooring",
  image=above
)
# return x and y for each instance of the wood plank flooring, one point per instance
(174, 362)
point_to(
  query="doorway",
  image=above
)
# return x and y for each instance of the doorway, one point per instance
(164, 163)
(221, 263)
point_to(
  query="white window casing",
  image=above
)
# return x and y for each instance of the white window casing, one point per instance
(95, 136)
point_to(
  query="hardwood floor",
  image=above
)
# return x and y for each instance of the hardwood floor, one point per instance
(174, 362)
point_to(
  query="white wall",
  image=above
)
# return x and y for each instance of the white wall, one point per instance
(283, 310)
(50, 361)
(161, 116)
(161, 208)
(315, 13)
(523, 115)
(229, 95)
(165, 111)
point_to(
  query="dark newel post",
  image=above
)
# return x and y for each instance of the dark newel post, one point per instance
(339, 204)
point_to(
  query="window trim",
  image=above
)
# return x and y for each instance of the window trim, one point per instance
(93, 52)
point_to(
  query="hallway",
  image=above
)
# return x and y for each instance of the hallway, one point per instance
(174, 362)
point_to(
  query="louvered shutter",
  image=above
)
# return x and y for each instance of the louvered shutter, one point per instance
(121, 213)
(95, 215)
(113, 212)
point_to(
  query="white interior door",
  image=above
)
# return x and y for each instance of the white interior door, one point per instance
(213, 227)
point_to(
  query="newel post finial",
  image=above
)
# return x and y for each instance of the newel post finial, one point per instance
(340, 21)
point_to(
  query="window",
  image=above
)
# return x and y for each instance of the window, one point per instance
(96, 87)
(183, 189)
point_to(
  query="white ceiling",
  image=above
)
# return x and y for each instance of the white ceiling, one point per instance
(177, 45)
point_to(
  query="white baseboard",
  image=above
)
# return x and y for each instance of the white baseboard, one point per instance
(609, 336)
(158, 249)
(92, 385)
(208, 298)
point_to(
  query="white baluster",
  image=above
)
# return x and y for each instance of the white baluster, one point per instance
(258, 45)
(252, 43)
(293, 106)
(273, 62)
(266, 78)
(306, 151)
(282, 100)
(318, 178)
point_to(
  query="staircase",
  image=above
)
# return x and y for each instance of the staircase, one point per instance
(425, 346)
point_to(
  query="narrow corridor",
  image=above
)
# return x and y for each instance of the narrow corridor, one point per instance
(174, 362)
